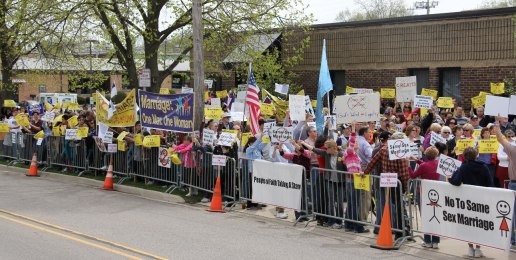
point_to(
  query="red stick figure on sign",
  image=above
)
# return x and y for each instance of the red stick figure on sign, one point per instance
(504, 209)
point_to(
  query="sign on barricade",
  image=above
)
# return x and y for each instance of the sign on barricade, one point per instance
(218, 160)
(467, 214)
(277, 184)
(361, 182)
(71, 134)
(151, 141)
(388, 180)
(447, 165)
(402, 148)
(163, 157)
(111, 148)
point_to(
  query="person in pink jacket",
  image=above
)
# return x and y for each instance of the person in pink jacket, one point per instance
(187, 161)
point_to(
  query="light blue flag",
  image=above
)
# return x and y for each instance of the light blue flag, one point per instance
(325, 86)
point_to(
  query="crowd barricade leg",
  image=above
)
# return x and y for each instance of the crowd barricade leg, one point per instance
(245, 192)
(10, 147)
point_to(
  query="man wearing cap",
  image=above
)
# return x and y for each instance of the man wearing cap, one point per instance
(475, 122)
(380, 198)
(343, 138)
(224, 123)
(399, 166)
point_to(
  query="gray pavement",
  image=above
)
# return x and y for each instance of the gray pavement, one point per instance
(140, 227)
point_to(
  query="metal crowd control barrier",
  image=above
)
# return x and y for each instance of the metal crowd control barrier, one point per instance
(146, 166)
(68, 154)
(10, 147)
(245, 189)
(204, 175)
(336, 199)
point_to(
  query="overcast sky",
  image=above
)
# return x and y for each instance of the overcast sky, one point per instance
(325, 11)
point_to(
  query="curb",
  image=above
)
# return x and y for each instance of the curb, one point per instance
(148, 194)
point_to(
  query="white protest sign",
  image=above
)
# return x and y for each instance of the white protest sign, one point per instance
(406, 88)
(277, 184)
(333, 121)
(208, 82)
(208, 136)
(388, 180)
(48, 116)
(215, 102)
(309, 109)
(296, 107)
(237, 116)
(226, 139)
(241, 96)
(423, 102)
(311, 124)
(71, 134)
(108, 137)
(357, 108)
(164, 158)
(436, 138)
(512, 105)
(399, 127)
(402, 148)
(497, 105)
(14, 138)
(238, 107)
(473, 214)
(111, 148)
(281, 134)
(218, 160)
(39, 142)
(362, 90)
(281, 88)
(447, 165)
(267, 127)
(186, 90)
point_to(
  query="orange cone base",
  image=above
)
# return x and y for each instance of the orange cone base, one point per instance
(108, 188)
(384, 241)
(216, 199)
(32, 175)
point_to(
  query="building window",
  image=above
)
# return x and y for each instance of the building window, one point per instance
(338, 78)
(42, 88)
(421, 77)
(449, 83)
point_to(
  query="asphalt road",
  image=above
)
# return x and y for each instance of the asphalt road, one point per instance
(48, 219)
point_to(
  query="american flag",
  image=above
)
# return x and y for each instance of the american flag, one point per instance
(253, 102)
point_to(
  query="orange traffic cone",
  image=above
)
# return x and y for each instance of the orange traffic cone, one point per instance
(216, 199)
(108, 182)
(33, 170)
(384, 240)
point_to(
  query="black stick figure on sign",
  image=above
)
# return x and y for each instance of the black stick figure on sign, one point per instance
(504, 209)
(433, 196)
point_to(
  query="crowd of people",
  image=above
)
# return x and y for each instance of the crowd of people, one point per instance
(358, 147)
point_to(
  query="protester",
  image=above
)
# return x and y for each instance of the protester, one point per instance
(446, 133)
(489, 159)
(460, 116)
(502, 170)
(457, 135)
(434, 128)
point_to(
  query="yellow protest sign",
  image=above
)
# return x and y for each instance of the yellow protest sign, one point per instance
(122, 135)
(40, 134)
(124, 115)
(82, 132)
(476, 133)
(497, 88)
(4, 128)
(388, 93)
(488, 146)
(152, 141)
(230, 131)
(245, 139)
(493, 137)
(138, 140)
(165, 91)
(314, 103)
(73, 106)
(445, 102)
(266, 140)
(55, 131)
(361, 182)
(222, 93)
(57, 106)
(482, 93)
(462, 144)
(429, 93)
(267, 109)
(73, 121)
(349, 90)
(213, 113)
(121, 146)
(94, 95)
(65, 105)
(301, 93)
(9, 103)
(48, 107)
(478, 101)
(423, 111)
(206, 96)
(22, 120)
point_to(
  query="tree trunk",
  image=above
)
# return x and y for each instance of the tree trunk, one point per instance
(7, 88)
(198, 63)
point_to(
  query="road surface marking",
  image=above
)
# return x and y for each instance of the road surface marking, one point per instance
(133, 250)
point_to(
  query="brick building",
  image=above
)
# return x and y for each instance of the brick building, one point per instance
(458, 54)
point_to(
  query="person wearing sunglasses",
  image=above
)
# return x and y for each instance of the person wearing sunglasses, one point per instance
(457, 134)
(446, 133)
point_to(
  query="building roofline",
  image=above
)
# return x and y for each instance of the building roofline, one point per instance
(422, 18)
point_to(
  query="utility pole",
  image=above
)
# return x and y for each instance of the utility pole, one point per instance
(426, 5)
(198, 63)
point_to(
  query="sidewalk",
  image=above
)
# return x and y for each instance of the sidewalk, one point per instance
(448, 248)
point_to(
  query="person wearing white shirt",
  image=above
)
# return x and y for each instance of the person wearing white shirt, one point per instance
(502, 170)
